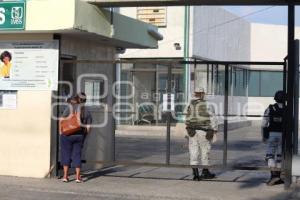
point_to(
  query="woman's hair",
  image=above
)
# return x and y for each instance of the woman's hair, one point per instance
(5, 54)
(80, 97)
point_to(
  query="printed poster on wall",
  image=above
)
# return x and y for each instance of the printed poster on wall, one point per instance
(165, 102)
(29, 65)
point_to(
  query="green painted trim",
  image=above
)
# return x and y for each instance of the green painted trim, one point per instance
(186, 47)
(133, 31)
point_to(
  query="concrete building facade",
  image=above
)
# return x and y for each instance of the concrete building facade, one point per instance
(218, 35)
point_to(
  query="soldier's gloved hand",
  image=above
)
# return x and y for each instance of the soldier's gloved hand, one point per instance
(191, 132)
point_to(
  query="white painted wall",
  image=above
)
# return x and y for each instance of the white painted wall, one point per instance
(208, 38)
(269, 42)
(173, 33)
(49, 14)
(218, 36)
(25, 132)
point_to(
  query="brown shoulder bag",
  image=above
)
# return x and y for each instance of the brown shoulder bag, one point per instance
(71, 124)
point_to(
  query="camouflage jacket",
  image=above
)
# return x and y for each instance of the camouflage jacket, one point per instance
(201, 116)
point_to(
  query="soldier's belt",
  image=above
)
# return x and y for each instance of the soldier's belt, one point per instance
(200, 128)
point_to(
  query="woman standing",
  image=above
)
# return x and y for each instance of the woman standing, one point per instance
(71, 145)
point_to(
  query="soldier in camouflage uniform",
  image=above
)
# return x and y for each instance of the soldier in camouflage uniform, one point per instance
(202, 126)
(272, 130)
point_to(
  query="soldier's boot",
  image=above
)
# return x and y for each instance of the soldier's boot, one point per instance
(196, 174)
(206, 174)
(275, 179)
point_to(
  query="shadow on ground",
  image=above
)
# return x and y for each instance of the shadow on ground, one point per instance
(153, 150)
(292, 194)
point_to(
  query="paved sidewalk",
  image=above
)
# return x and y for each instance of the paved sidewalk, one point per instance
(132, 183)
(146, 183)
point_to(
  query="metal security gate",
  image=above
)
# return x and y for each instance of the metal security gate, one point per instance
(151, 107)
(158, 111)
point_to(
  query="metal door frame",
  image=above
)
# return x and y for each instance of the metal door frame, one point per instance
(194, 62)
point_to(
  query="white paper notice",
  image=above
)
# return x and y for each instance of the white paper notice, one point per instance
(9, 101)
(30, 65)
(165, 102)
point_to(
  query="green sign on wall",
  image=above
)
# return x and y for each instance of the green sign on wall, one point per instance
(12, 15)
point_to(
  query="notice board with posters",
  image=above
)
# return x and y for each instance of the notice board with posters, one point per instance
(29, 65)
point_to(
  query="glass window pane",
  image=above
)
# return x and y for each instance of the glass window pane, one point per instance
(215, 79)
(238, 82)
(96, 91)
(221, 80)
(210, 80)
(201, 76)
(88, 89)
(254, 84)
(270, 83)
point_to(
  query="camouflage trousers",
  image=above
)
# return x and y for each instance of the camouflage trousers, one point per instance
(199, 148)
(274, 150)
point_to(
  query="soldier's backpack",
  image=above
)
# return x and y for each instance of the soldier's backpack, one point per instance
(198, 117)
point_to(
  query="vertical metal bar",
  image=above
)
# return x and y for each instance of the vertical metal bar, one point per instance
(284, 75)
(212, 79)
(290, 96)
(225, 142)
(259, 80)
(116, 73)
(207, 79)
(169, 115)
(217, 80)
(195, 73)
(157, 94)
(186, 51)
(136, 114)
(296, 99)
(118, 79)
(231, 82)
(285, 112)
(54, 151)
